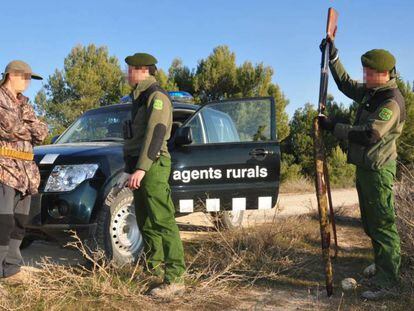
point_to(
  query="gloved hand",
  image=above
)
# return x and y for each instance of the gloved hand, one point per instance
(121, 182)
(326, 123)
(333, 51)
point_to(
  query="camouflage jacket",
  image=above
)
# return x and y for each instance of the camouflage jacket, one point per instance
(379, 121)
(19, 130)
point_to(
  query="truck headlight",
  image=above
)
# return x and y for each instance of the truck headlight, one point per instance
(68, 177)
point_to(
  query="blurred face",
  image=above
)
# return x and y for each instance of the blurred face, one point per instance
(19, 81)
(373, 78)
(137, 75)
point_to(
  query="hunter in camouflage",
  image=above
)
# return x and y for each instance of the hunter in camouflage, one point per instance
(19, 176)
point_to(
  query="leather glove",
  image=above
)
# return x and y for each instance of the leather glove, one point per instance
(326, 123)
(333, 51)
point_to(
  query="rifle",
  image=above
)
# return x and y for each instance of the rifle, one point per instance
(322, 184)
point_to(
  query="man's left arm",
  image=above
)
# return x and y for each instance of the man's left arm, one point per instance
(158, 112)
(370, 133)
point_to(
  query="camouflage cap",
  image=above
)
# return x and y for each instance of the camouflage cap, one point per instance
(378, 59)
(19, 66)
(141, 59)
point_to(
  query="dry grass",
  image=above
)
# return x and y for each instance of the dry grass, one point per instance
(275, 264)
(219, 266)
(58, 287)
(300, 185)
(104, 286)
(405, 222)
(248, 255)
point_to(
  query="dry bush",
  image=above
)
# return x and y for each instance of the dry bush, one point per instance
(246, 255)
(218, 266)
(300, 185)
(103, 286)
(59, 287)
(405, 221)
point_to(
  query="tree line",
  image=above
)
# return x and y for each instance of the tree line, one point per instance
(91, 78)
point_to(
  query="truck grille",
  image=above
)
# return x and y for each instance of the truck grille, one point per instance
(44, 175)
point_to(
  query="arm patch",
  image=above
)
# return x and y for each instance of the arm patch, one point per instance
(385, 114)
(158, 104)
(156, 141)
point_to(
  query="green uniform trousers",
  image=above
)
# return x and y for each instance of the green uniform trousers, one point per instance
(376, 201)
(155, 214)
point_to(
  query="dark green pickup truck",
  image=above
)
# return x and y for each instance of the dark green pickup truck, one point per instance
(225, 155)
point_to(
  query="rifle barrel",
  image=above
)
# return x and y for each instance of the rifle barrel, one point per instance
(323, 88)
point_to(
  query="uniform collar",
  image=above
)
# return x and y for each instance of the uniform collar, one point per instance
(142, 86)
(391, 84)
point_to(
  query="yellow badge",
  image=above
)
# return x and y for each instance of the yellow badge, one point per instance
(158, 104)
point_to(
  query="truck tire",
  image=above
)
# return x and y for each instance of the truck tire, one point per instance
(228, 219)
(117, 231)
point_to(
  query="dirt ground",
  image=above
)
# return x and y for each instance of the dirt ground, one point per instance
(287, 293)
(288, 204)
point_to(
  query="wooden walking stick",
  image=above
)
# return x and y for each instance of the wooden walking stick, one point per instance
(323, 192)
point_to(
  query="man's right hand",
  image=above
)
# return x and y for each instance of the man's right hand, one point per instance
(333, 51)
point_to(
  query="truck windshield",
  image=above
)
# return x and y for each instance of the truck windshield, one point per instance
(104, 125)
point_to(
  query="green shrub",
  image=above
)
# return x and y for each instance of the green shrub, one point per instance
(289, 171)
(342, 174)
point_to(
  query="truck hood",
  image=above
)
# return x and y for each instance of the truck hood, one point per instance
(87, 149)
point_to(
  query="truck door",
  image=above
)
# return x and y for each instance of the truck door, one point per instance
(233, 162)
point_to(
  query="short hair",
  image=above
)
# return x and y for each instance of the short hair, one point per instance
(152, 70)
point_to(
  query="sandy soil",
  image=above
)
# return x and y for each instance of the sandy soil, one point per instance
(288, 204)
(256, 298)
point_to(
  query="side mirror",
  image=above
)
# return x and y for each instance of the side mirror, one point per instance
(54, 138)
(183, 136)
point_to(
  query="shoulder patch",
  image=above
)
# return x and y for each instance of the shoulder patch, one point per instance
(385, 114)
(158, 104)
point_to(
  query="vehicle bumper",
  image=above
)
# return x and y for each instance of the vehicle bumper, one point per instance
(55, 214)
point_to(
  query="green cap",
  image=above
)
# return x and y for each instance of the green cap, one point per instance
(141, 59)
(20, 67)
(379, 60)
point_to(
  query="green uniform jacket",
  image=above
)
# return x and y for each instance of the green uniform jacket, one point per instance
(151, 127)
(379, 121)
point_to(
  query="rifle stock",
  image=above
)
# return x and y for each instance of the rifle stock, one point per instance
(332, 24)
(331, 27)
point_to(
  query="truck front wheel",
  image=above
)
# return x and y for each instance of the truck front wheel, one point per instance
(117, 230)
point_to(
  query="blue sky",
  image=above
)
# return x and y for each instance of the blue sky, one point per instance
(283, 34)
